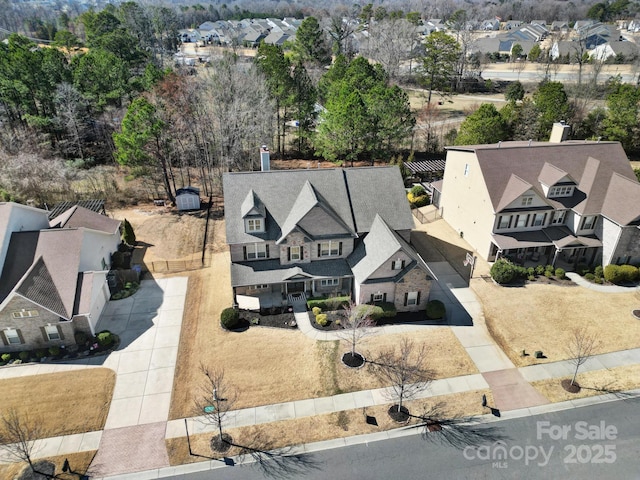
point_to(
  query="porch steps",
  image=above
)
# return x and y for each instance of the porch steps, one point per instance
(298, 297)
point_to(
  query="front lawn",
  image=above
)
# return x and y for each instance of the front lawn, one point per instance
(543, 317)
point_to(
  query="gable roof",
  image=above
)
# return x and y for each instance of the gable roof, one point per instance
(550, 174)
(622, 192)
(377, 248)
(514, 188)
(346, 195)
(304, 204)
(78, 216)
(590, 164)
(47, 255)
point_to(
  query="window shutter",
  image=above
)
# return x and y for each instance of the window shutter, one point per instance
(288, 254)
(45, 337)
(3, 339)
(544, 219)
(340, 248)
(60, 332)
(384, 297)
(402, 264)
(318, 250)
(301, 253)
(406, 298)
(20, 335)
(244, 252)
(418, 299)
(527, 222)
(267, 249)
(371, 298)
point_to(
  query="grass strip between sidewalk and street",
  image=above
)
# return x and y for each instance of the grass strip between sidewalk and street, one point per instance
(78, 462)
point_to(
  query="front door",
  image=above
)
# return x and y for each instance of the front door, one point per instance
(295, 287)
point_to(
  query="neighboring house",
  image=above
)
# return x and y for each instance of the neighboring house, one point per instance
(53, 280)
(295, 234)
(188, 198)
(557, 202)
(490, 25)
(512, 24)
(624, 51)
(560, 26)
(564, 50)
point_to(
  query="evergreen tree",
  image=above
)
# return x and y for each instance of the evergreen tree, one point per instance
(485, 125)
(128, 235)
(310, 44)
(552, 102)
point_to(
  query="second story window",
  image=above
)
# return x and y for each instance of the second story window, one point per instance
(526, 201)
(558, 217)
(538, 220)
(504, 221)
(589, 222)
(521, 221)
(254, 225)
(329, 249)
(295, 253)
(255, 251)
(25, 313)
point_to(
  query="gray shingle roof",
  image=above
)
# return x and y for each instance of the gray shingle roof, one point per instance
(271, 271)
(39, 287)
(590, 164)
(78, 216)
(353, 196)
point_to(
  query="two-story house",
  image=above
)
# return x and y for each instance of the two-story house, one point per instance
(295, 234)
(53, 274)
(546, 202)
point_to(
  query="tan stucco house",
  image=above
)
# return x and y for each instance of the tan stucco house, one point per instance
(557, 202)
(53, 280)
(295, 234)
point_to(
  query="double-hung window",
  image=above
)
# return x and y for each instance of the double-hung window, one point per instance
(52, 332)
(255, 225)
(329, 282)
(295, 253)
(412, 298)
(12, 336)
(256, 250)
(558, 217)
(538, 220)
(378, 297)
(526, 201)
(589, 222)
(504, 221)
(329, 249)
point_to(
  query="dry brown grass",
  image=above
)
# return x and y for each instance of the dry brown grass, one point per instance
(542, 317)
(79, 463)
(269, 365)
(323, 427)
(65, 403)
(593, 383)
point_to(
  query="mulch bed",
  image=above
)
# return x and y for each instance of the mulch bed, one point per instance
(571, 388)
(400, 318)
(353, 361)
(401, 416)
(221, 444)
(278, 320)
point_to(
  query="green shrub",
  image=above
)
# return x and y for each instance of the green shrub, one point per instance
(629, 273)
(229, 318)
(549, 268)
(316, 311)
(560, 273)
(24, 356)
(598, 271)
(5, 357)
(531, 271)
(128, 235)
(548, 273)
(323, 302)
(531, 278)
(41, 353)
(54, 351)
(598, 280)
(322, 320)
(105, 338)
(590, 276)
(418, 191)
(503, 271)
(388, 309)
(80, 338)
(435, 310)
(582, 269)
(540, 270)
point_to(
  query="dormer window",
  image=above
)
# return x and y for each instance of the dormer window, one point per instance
(254, 225)
(561, 191)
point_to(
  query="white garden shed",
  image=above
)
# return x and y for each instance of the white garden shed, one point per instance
(188, 198)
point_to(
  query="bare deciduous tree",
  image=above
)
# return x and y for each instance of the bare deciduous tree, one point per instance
(215, 401)
(18, 436)
(403, 368)
(581, 347)
(356, 324)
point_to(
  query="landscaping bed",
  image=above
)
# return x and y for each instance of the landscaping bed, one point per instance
(400, 318)
(278, 318)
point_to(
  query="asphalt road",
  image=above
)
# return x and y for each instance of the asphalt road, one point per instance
(594, 442)
(567, 77)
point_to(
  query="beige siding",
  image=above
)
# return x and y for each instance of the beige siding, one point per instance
(465, 202)
(386, 270)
